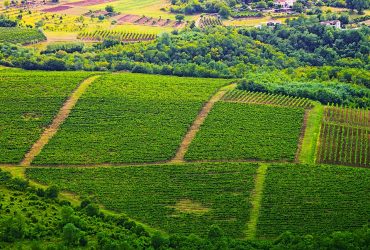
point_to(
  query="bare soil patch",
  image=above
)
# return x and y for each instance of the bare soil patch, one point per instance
(190, 207)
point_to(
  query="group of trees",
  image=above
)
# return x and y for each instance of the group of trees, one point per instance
(222, 7)
(315, 44)
(6, 22)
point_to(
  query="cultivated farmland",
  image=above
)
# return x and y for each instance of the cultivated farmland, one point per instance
(100, 35)
(175, 198)
(238, 131)
(345, 137)
(21, 35)
(313, 199)
(265, 98)
(28, 102)
(128, 118)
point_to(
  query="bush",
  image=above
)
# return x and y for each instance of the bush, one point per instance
(12, 228)
(52, 192)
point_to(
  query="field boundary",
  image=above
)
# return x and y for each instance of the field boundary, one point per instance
(199, 120)
(310, 139)
(256, 199)
(302, 134)
(58, 120)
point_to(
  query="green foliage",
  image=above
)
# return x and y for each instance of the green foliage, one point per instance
(52, 192)
(12, 228)
(20, 35)
(28, 221)
(109, 8)
(313, 200)
(324, 84)
(5, 22)
(129, 118)
(67, 47)
(314, 44)
(29, 101)
(238, 131)
(71, 234)
(175, 198)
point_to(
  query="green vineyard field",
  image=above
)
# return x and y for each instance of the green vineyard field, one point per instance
(345, 137)
(28, 102)
(267, 99)
(313, 200)
(239, 131)
(21, 35)
(175, 198)
(208, 21)
(122, 36)
(128, 118)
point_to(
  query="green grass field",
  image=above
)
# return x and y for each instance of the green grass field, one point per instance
(312, 199)
(28, 102)
(124, 118)
(238, 131)
(175, 198)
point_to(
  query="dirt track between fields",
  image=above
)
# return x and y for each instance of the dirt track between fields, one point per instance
(199, 120)
(57, 122)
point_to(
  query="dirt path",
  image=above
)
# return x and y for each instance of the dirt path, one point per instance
(190, 135)
(256, 200)
(58, 120)
(308, 143)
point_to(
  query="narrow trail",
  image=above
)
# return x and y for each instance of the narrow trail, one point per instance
(309, 141)
(58, 120)
(190, 135)
(302, 135)
(256, 201)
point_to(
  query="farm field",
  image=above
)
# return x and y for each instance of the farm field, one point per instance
(100, 35)
(21, 35)
(129, 118)
(240, 131)
(175, 198)
(345, 137)
(322, 198)
(242, 96)
(24, 115)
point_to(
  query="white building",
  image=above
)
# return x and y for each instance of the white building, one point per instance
(285, 3)
(334, 23)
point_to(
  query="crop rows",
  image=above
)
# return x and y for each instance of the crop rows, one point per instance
(28, 102)
(21, 35)
(129, 118)
(313, 200)
(241, 131)
(122, 36)
(264, 98)
(345, 137)
(180, 199)
(207, 21)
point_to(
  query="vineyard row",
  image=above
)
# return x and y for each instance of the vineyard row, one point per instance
(264, 98)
